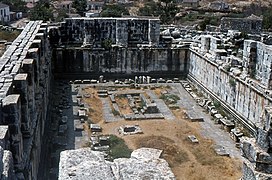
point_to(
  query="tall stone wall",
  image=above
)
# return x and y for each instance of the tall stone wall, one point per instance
(25, 71)
(243, 88)
(115, 46)
(229, 79)
(119, 31)
(251, 24)
(258, 58)
(121, 60)
(237, 94)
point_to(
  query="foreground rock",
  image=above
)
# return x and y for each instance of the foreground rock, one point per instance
(145, 163)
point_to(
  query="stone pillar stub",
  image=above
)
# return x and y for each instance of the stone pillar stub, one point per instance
(11, 104)
(21, 77)
(4, 136)
(21, 87)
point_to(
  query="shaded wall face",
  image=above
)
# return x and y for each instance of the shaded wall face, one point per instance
(121, 60)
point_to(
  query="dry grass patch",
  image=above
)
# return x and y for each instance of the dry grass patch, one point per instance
(123, 105)
(95, 104)
(171, 152)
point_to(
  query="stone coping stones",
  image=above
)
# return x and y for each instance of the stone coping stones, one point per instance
(218, 117)
(78, 125)
(194, 116)
(193, 139)
(82, 113)
(143, 117)
(220, 150)
(95, 128)
(226, 124)
(145, 163)
(236, 134)
(103, 95)
(3, 135)
(130, 92)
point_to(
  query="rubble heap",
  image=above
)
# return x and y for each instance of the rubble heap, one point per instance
(257, 152)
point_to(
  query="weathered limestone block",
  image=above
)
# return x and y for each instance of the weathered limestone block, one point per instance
(205, 43)
(145, 163)
(249, 149)
(4, 137)
(250, 174)
(12, 109)
(8, 169)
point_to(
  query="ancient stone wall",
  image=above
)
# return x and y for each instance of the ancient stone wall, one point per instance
(119, 31)
(25, 72)
(234, 87)
(243, 88)
(114, 45)
(258, 58)
(121, 60)
(251, 24)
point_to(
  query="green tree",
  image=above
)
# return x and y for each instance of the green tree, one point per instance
(114, 10)
(41, 11)
(165, 9)
(267, 18)
(15, 5)
(150, 9)
(80, 6)
(169, 10)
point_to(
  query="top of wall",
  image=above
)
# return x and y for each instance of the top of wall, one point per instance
(118, 18)
(13, 57)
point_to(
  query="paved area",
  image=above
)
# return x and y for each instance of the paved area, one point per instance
(107, 111)
(210, 130)
(161, 105)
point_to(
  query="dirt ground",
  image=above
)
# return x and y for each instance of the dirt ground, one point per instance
(188, 161)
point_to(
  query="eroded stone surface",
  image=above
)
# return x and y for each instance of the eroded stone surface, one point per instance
(145, 163)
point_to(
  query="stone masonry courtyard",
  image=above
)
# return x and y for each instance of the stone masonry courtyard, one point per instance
(163, 116)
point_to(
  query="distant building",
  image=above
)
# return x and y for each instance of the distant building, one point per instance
(219, 6)
(65, 5)
(4, 13)
(188, 3)
(95, 5)
(30, 1)
(251, 24)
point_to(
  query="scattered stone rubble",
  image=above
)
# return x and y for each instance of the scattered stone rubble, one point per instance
(257, 152)
(145, 163)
